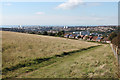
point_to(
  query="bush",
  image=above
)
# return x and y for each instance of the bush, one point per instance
(116, 40)
(112, 35)
(45, 33)
(39, 33)
(51, 34)
(31, 32)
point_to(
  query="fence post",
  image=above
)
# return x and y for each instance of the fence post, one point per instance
(116, 51)
(119, 62)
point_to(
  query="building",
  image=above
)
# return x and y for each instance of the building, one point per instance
(90, 38)
(106, 40)
(82, 36)
(72, 36)
(65, 27)
(94, 38)
(99, 39)
(76, 32)
(77, 36)
(66, 35)
(85, 37)
(84, 33)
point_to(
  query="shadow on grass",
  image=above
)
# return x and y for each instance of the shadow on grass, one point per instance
(27, 64)
(40, 60)
(98, 42)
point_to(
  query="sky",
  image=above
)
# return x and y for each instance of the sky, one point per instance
(71, 12)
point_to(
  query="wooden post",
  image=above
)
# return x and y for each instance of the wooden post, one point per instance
(119, 62)
(117, 54)
(115, 49)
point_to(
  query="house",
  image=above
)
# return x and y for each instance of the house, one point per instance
(85, 37)
(66, 35)
(82, 36)
(94, 38)
(99, 35)
(72, 36)
(99, 39)
(75, 32)
(84, 33)
(90, 38)
(77, 36)
(94, 34)
(106, 40)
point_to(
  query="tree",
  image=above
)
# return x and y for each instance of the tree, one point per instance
(39, 33)
(104, 35)
(112, 35)
(45, 33)
(31, 32)
(116, 40)
(79, 36)
(60, 33)
(86, 37)
(51, 34)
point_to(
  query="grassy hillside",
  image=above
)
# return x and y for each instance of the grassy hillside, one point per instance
(20, 46)
(97, 62)
(20, 49)
(37, 56)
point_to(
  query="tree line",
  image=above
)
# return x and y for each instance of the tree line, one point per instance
(59, 34)
(114, 37)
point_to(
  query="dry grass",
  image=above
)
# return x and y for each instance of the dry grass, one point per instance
(19, 47)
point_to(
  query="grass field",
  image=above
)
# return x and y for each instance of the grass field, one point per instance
(93, 63)
(28, 55)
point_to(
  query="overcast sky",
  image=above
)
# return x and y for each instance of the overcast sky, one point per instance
(71, 12)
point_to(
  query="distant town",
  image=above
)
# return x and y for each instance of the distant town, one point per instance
(89, 33)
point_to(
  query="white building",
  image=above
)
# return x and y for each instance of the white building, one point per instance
(84, 33)
(65, 27)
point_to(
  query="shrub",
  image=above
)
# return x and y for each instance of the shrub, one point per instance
(116, 40)
(112, 35)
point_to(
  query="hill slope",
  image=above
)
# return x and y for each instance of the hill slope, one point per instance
(94, 63)
(37, 56)
(20, 46)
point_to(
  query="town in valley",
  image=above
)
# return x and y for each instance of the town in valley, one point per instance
(89, 33)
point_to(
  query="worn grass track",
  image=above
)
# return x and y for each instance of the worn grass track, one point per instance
(40, 62)
(97, 62)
